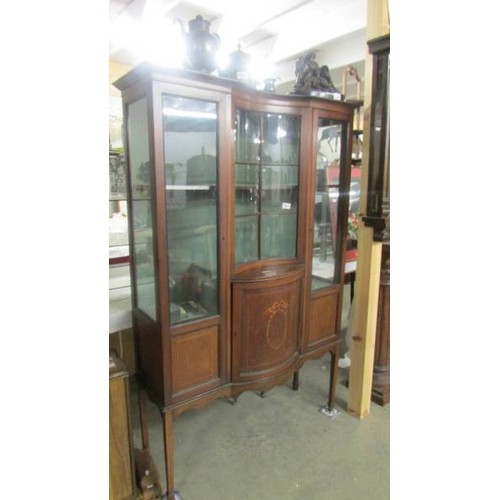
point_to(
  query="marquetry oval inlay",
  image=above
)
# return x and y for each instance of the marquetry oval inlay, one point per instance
(277, 324)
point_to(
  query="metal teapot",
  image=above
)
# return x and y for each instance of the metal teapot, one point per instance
(201, 45)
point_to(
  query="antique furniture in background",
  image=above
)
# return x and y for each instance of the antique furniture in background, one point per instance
(356, 158)
(118, 222)
(121, 464)
(381, 386)
(238, 231)
(378, 208)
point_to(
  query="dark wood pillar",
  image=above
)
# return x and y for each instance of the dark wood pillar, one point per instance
(381, 387)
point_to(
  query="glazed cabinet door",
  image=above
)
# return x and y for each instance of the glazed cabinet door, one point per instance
(191, 181)
(266, 172)
(268, 275)
(192, 169)
(328, 238)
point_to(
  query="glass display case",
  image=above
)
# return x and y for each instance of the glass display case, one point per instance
(239, 202)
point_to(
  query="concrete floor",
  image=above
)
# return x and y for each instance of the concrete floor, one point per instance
(277, 447)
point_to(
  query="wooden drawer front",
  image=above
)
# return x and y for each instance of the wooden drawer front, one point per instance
(322, 318)
(265, 328)
(195, 359)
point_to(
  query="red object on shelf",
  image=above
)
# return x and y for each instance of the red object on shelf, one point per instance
(351, 255)
(119, 260)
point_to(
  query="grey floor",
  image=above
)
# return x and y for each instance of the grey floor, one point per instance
(277, 447)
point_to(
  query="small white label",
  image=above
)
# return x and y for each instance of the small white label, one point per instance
(286, 206)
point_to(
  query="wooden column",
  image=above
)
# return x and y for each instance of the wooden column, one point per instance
(364, 327)
(366, 294)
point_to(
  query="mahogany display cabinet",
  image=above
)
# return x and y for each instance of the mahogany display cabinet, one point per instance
(237, 236)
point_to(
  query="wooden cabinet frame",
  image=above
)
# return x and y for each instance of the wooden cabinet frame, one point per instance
(269, 321)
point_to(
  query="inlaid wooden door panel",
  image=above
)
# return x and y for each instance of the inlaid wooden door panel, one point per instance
(265, 326)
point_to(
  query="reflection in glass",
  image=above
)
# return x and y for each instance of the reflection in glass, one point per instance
(279, 185)
(140, 168)
(140, 176)
(278, 235)
(190, 142)
(117, 177)
(247, 189)
(118, 229)
(329, 150)
(266, 183)
(248, 137)
(247, 239)
(144, 256)
(280, 139)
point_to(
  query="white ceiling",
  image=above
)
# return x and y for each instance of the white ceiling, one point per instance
(277, 30)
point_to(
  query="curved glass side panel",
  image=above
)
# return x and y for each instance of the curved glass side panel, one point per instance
(142, 222)
(329, 151)
(266, 185)
(191, 163)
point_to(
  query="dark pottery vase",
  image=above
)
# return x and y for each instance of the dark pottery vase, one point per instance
(201, 46)
(239, 62)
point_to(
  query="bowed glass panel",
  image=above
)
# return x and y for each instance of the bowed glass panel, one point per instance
(266, 185)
